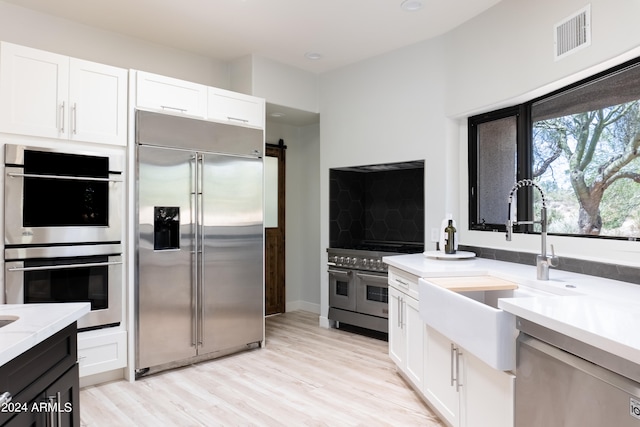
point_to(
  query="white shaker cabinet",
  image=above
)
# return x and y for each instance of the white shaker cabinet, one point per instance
(237, 108)
(49, 95)
(463, 389)
(101, 350)
(170, 95)
(406, 328)
(444, 373)
(489, 399)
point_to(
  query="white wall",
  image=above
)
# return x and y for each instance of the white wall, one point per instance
(302, 213)
(507, 52)
(386, 109)
(284, 85)
(413, 103)
(25, 27)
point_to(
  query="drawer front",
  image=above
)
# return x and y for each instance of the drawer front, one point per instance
(236, 108)
(99, 352)
(404, 282)
(171, 95)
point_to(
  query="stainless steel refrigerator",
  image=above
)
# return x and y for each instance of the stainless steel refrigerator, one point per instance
(200, 281)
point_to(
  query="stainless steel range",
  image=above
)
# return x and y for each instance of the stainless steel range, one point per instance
(358, 289)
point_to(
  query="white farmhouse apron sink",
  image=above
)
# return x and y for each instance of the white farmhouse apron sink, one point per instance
(465, 310)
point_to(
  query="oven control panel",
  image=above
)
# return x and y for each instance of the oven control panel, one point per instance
(358, 262)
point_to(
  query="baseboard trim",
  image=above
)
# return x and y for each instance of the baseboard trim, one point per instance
(304, 306)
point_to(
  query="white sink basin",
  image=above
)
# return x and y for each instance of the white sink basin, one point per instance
(473, 320)
(6, 320)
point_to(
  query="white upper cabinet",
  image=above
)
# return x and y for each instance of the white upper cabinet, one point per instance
(98, 102)
(170, 95)
(50, 95)
(237, 108)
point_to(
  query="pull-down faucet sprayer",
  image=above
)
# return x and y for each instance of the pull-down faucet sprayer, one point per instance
(543, 262)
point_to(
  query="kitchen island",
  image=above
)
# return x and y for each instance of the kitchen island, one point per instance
(468, 385)
(39, 382)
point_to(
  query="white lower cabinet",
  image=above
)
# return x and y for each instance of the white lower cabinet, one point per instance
(406, 328)
(101, 351)
(442, 363)
(489, 395)
(463, 389)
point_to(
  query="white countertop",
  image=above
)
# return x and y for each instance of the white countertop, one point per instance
(600, 312)
(36, 323)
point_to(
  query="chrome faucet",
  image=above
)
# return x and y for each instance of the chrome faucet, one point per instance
(543, 262)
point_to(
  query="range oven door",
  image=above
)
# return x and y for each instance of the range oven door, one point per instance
(372, 294)
(68, 274)
(54, 197)
(342, 289)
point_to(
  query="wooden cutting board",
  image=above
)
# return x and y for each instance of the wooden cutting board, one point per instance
(472, 283)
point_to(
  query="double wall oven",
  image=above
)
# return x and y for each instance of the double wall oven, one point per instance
(63, 230)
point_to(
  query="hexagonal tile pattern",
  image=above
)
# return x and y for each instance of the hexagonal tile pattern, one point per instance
(385, 205)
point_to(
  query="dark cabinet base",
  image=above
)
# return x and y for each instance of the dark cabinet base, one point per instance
(43, 383)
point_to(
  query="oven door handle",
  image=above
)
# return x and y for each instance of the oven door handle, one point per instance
(373, 276)
(340, 272)
(61, 267)
(67, 178)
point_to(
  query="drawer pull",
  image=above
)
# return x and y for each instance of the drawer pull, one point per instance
(5, 398)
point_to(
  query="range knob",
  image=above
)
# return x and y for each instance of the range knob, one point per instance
(354, 261)
(379, 264)
(365, 262)
(341, 260)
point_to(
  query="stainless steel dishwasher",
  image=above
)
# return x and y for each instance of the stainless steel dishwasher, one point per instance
(562, 382)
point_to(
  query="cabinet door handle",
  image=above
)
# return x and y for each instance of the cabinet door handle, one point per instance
(5, 398)
(167, 107)
(52, 416)
(238, 119)
(452, 373)
(402, 282)
(74, 118)
(458, 383)
(62, 117)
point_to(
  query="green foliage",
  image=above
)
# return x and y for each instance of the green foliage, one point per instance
(586, 162)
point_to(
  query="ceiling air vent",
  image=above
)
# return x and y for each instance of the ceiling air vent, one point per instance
(573, 33)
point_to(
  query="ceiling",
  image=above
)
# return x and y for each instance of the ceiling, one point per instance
(341, 31)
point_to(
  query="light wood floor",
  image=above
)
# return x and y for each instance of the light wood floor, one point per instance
(305, 376)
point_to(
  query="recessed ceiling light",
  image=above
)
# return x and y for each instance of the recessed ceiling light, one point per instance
(314, 56)
(411, 5)
(277, 114)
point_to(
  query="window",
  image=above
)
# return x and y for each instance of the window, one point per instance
(581, 145)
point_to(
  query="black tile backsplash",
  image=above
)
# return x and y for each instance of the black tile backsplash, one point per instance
(384, 205)
(622, 273)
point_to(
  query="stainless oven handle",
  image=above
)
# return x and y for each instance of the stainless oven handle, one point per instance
(66, 178)
(372, 276)
(61, 267)
(340, 272)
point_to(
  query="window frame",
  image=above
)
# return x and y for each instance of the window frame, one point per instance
(524, 153)
(523, 164)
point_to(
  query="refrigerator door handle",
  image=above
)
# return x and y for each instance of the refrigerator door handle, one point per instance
(200, 248)
(195, 258)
